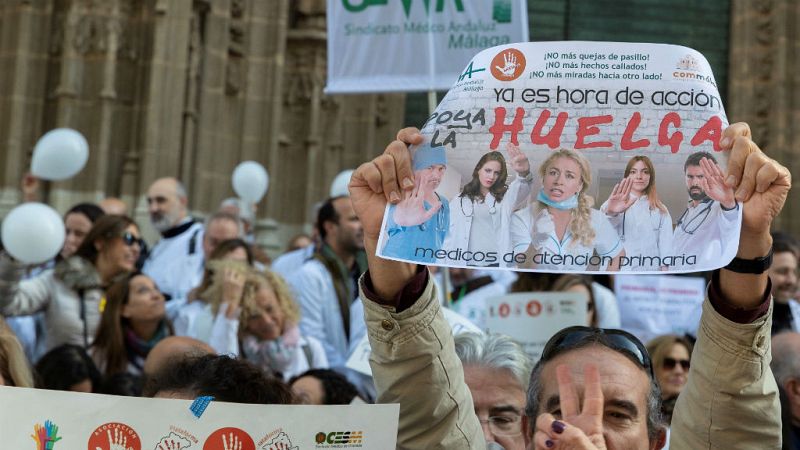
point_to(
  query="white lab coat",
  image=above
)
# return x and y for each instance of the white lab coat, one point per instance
(461, 211)
(176, 263)
(320, 315)
(644, 232)
(289, 263)
(707, 232)
(196, 320)
(574, 255)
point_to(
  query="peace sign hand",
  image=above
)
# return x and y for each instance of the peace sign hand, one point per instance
(620, 199)
(578, 430)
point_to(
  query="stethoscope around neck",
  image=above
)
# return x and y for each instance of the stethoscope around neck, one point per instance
(492, 209)
(703, 213)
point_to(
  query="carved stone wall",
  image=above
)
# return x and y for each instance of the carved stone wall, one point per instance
(186, 88)
(764, 86)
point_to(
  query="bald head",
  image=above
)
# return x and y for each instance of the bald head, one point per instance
(167, 203)
(113, 205)
(173, 349)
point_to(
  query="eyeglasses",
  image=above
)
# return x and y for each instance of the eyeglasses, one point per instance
(621, 341)
(507, 425)
(129, 239)
(670, 363)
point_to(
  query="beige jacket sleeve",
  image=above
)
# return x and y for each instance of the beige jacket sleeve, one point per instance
(731, 398)
(414, 363)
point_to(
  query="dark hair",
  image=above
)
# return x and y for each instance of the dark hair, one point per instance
(533, 282)
(327, 213)
(230, 245)
(337, 390)
(125, 384)
(109, 342)
(222, 377)
(655, 421)
(65, 366)
(694, 159)
(90, 210)
(569, 280)
(105, 229)
(472, 190)
(784, 242)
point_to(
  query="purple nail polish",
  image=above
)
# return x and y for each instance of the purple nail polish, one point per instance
(558, 426)
(549, 443)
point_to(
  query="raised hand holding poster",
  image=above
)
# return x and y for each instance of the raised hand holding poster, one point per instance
(572, 157)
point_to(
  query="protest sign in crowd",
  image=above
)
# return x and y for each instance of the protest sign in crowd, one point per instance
(512, 275)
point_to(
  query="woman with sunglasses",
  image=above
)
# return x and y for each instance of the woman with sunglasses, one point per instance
(641, 220)
(70, 294)
(671, 355)
(133, 322)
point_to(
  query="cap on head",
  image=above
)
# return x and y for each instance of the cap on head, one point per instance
(426, 156)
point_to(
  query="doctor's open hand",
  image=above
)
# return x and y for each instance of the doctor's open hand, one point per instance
(713, 184)
(411, 210)
(620, 199)
(519, 162)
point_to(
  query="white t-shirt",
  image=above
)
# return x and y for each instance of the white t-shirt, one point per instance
(482, 233)
(646, 233)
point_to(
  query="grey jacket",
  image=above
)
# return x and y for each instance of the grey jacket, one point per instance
(68, 319)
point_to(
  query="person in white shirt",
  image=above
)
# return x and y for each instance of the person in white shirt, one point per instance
(643, 223)
(480, 216)
(175, 263)
(270, 334)
(562, 232)
(706, 233)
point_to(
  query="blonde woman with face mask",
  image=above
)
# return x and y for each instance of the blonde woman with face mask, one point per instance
(562, 232)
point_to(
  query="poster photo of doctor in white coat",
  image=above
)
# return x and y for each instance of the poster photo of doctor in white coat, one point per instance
(480, 215)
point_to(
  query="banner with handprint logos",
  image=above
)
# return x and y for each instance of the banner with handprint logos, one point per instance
(430, 41)
(572, 157)
(50, 420)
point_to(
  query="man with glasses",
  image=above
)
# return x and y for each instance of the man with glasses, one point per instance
(496, 371)
(709, 220)
(593, 389)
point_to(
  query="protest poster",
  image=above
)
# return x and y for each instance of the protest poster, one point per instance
(654, 305)
(430, 41)
(359, 357)
(544, 156)
(52, 420)
(531, 318)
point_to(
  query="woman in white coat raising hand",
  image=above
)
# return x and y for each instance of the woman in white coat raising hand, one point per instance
(481, 214)
(641, 220)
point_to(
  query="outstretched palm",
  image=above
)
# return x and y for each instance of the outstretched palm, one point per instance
(620, 199)
(411, 210)
(519, 162)
(713, 183)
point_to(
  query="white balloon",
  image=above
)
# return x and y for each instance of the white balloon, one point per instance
(59, 154)
(33, 233)
(339, 185)
(250, 181)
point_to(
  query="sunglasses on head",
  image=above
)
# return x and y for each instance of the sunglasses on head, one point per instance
(670, 363)
(621, 341)
(129, 239)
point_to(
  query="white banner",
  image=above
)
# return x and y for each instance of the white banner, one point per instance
(57, 420)
(414, 45)
(650, 306)
(531, 318)
(572, 157)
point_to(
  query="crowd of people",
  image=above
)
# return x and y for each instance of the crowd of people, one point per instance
(203, 311)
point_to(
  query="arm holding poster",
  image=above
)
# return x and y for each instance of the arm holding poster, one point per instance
(411, 341)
